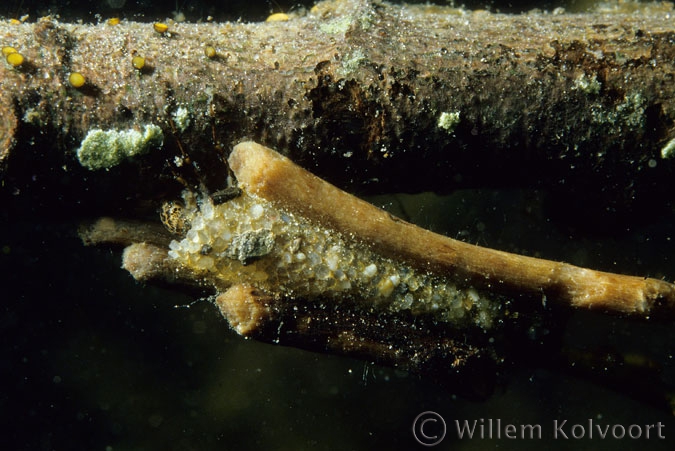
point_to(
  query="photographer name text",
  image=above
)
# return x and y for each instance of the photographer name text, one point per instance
(560, 429)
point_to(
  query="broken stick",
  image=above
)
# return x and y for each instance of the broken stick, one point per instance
(267, 174)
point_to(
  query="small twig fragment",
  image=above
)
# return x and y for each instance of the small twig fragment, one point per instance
(245, 307)
(116, 231)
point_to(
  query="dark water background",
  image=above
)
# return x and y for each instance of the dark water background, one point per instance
(92, 360)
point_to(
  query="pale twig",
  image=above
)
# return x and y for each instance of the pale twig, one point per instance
(267, 174)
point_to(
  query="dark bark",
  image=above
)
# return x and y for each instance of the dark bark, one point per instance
(355, 91)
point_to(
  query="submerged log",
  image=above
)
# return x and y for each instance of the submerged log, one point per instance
(364, 93)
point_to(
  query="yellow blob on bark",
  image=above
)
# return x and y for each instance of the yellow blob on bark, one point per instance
(76, 80)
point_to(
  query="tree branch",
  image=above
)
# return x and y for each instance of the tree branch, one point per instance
(413, 98)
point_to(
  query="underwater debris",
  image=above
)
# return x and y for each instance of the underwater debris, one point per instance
(253, 242)
(669, 149)
(292, 235)
(291, 259)
(448, 121)
(247, 245)
(265, 173)
(103, 149)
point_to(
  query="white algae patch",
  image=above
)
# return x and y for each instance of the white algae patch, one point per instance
(103, 149)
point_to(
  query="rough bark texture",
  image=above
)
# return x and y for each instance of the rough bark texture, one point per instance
(412, 98)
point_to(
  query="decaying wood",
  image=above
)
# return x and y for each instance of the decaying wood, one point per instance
(413, 98)
(416, 343)
(119, 232)
(267, 174)
(419, 345)
(363, 328)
